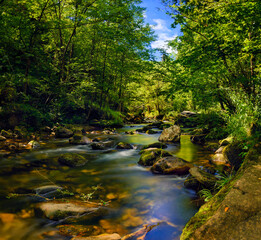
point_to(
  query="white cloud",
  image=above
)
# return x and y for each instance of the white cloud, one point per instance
(160, 25)
(162, 42)
(145, 14)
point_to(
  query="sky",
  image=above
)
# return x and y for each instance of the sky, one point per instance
(160, 22)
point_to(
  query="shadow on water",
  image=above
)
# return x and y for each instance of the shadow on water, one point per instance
(135, 195)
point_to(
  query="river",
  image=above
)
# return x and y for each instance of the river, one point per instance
(134, 195)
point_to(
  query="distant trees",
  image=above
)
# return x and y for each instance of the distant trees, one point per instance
(60, 60)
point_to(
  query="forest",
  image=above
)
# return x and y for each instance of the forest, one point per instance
(74, 61)
(85, 71)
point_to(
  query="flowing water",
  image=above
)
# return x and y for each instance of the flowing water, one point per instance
(133, 195)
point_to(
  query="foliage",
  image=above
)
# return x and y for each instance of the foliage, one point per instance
(68, 58)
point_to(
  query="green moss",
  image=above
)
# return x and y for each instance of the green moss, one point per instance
(150, 156)
(208, 209)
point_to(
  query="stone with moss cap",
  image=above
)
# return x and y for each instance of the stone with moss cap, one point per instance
(150, 156)
(72, 159)
(235, 211)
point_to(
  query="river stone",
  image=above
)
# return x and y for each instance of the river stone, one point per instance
(198, 139)
(235, 212)
(171, 134)
(159, 230)
(151, 155)
(104, 236)
(2, 138)
(219, 158)
(205, 179)
(62, 132)
(171, 165)
(122, 145)
(58, 211)
(78, 139)
(49, 191)
(151, 131)
(155, 145)
(72, 159)
(7, 134)
(102, 145)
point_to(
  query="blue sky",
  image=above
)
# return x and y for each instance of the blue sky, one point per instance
(156, 16)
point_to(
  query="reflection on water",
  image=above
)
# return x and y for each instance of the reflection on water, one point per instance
(135, 195)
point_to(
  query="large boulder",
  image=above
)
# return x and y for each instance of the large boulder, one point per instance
(171, 134)
(171, 165)
(235, 211)
(150, 156)
(62, 132)
(72, 159)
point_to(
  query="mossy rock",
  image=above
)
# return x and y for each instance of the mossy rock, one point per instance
(7, 134)
(150, 156)
(171, 165)
(155, 145)
(150, 131)
(62, 132)
(122, 145)
(72, 159)
(206, 179)
(233, 152)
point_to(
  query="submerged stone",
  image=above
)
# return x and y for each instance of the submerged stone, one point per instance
(72, 159)
(58, 210)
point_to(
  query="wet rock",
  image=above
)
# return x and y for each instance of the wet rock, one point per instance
(192, 183)
(171, 165)
(60, 210)
(219, 158)
(160, 230)
(7, 134)
(155, 145)
(171, 134)
(151, 155)
(80, 230)
(205, 179)
(150, 131)
(78, 139)
(233, 152)
(198, 139)
(104, 236)
(102, 145)
(212, 147)
(62, 132)
(72, 159)
(187, 119)
(129, 132)
(2, 138)
(122, 145)
(34, 144)
(49, 191)
(235, 211)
